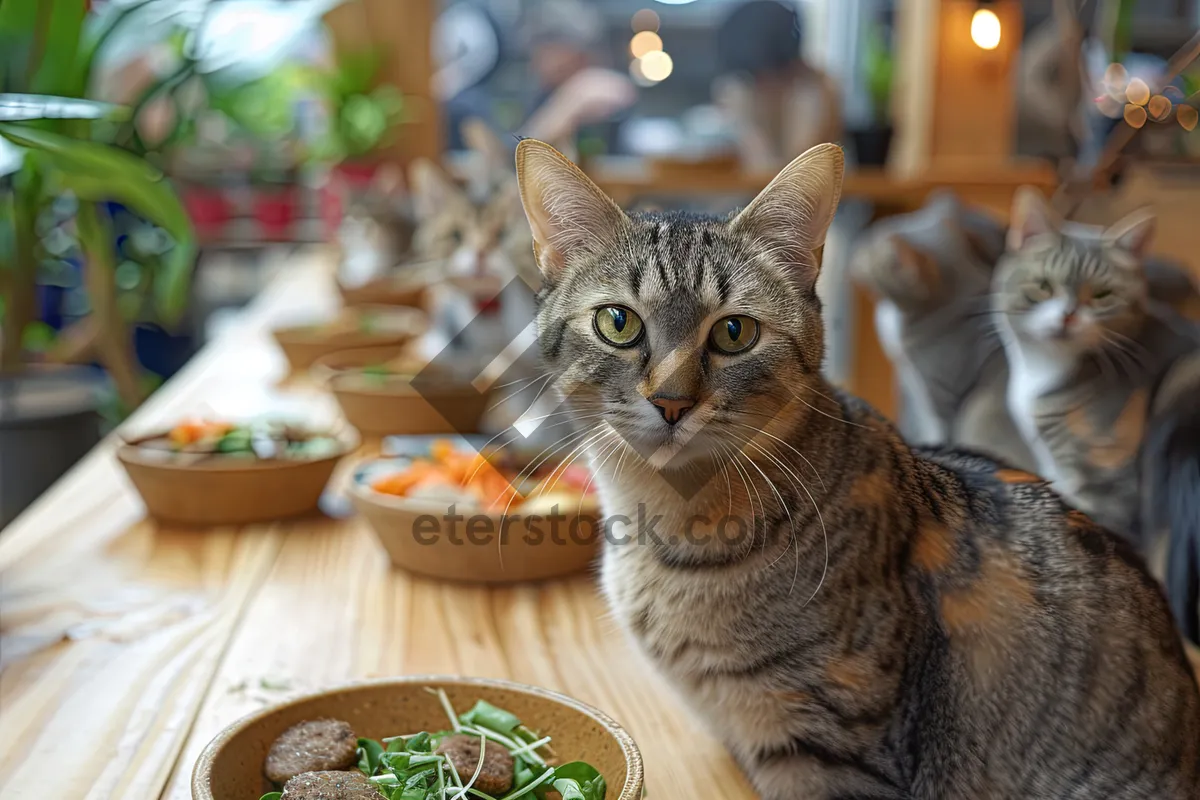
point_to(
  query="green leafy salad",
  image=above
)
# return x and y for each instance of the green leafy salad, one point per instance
(486, 754)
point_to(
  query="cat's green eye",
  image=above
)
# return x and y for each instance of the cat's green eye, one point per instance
(1037, 292)
(735, 334)
(618, 326)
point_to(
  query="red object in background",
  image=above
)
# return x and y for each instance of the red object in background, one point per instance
(208, 207)
(275, 211)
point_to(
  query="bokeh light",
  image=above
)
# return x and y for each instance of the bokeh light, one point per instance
(1135, 115)
(644, 20)
(1174, 94)
(1137, 92)
(1116, 79)
(1109, 106)
(645, 42)
(1159, 108)
(1187, 117)
(985, 29)
(656, 66)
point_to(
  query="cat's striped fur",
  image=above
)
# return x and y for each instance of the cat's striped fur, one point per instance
(895, 623)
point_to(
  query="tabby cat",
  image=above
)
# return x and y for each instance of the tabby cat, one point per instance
(1088, 349)
(931, 274)
(853, 617)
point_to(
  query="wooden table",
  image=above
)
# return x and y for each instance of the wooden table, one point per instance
(125, 646)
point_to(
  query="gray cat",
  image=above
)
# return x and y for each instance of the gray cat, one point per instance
(931, 273)
(853, 617)
(1099, 368)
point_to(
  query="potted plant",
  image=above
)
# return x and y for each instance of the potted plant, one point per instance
(47, 414)
(872, 143)
(361, 118)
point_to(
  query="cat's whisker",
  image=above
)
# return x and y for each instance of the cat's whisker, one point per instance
(788, 446)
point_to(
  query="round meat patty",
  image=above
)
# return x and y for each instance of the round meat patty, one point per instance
(330, 786)
(495, 778)
(314, 746)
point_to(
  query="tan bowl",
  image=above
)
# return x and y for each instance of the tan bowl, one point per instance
(384, 292)
(303, 345)
(231, 766)
(327, 366)
(229, 492)
(390, 405)
(477, 546)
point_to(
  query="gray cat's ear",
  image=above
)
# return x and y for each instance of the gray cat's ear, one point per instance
(1031, 217)
(795, 209)
(1133, 233)
(432, 188)
(917, 268)
(567, 212)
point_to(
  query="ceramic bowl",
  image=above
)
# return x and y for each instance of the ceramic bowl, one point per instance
(545, 537)
(390, 328)
(385, 292)
(231, 766)
(229, 491)
(346, 361)
(379, 405)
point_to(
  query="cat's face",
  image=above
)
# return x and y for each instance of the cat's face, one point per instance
(1070, 288)
(681, 335)
(474, 238)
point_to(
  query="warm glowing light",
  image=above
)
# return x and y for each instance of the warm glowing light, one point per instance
(985, 29)
(1188, 117)
(1137, 92)
(645, 42)
(656, 66)
(1174, 94)
(644, 20)
(1135, 115)
(1159, 108)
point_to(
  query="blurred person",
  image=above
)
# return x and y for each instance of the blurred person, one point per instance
(778, 103)
(574, 89)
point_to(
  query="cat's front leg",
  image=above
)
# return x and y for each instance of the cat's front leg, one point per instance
(808, 773)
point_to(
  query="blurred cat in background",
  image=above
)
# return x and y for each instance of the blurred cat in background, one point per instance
(1105, 384)
(931, 273)
(482, 301)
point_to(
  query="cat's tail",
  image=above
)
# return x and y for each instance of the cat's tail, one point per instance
(1172, 461)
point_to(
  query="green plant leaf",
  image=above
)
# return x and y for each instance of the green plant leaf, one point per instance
(271, 796)
(57, 72)
(369, 753)
(486, 715)
(579, 780)
(98, 172)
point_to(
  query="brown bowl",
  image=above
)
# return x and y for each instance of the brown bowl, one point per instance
(304, 344)
(229, 491)
(327, 366)
(388, 404)
(384, 292)
(231, 766)
(538, 541)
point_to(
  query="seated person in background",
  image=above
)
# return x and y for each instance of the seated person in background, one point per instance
(778, 104)
(574, 90)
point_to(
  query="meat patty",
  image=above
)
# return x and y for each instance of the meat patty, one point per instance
(330, 786)
(496, 776)
(314, 746)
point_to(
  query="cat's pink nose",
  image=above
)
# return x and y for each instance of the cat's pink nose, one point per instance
(673, 408)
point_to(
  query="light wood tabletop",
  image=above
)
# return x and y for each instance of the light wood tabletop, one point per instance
(126, 646)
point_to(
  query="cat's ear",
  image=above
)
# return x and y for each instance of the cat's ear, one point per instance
(795, 209)
(918, 269)
(1031, 218)
(1133, 233)
(432, 189)
(567, 212)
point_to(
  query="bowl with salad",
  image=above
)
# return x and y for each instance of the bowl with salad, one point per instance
(423, 738)
(458, 509)
(219, 472)
(387, 328)
(404, 395)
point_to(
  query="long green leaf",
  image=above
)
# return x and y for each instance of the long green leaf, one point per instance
(99, 172)
(18, 28)
(60, 49)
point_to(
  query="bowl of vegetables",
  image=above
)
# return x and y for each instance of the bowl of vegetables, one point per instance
(405, 396)
(388, 328)
(204, 472)
(423, 738)
(455, 510)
